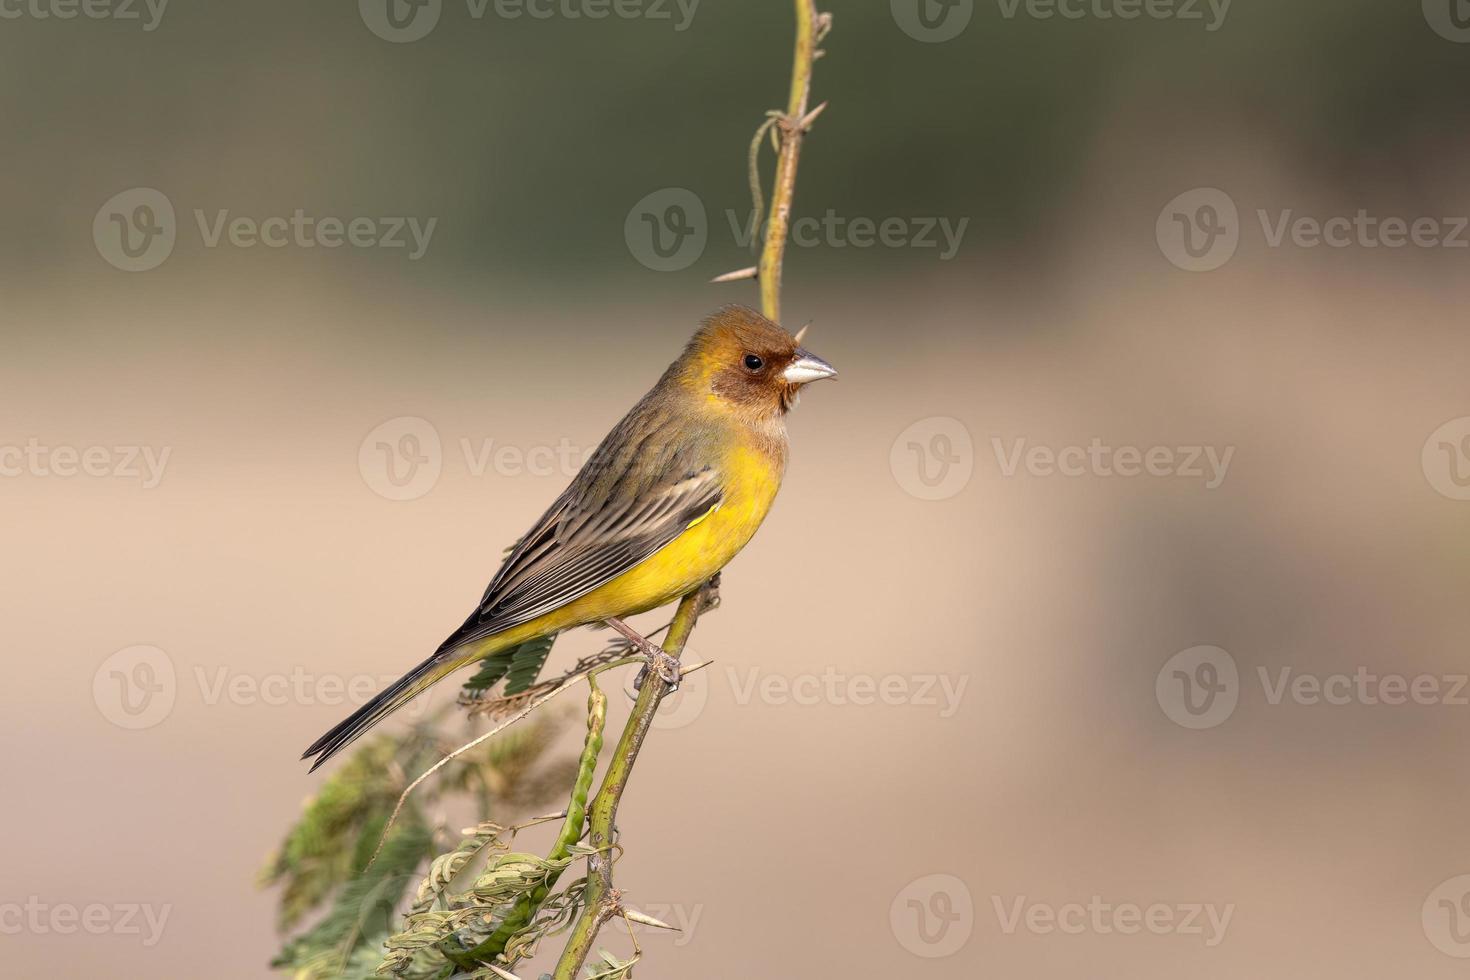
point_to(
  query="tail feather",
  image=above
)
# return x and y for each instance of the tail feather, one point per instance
(395, 696)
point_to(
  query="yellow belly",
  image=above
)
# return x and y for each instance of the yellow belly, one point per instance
(751, 480)
(701, 551)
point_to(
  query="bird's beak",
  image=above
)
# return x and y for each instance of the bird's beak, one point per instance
(808, 367)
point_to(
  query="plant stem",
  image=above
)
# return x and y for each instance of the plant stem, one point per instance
(783, 187)
(600, 900)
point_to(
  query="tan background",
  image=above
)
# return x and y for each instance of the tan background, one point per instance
(784, 831)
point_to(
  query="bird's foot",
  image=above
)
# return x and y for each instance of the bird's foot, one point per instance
(656, 659)
(664, 665)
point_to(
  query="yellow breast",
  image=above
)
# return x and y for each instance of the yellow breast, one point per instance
(751, 478)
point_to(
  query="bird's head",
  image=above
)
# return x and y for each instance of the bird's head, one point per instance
(749, 363)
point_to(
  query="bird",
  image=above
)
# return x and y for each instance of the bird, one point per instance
(668, 498)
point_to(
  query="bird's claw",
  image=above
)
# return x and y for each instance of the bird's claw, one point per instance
(661, 663)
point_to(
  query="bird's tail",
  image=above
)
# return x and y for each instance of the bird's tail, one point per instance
(395, 696)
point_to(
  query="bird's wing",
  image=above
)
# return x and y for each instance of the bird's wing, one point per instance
(585, 540)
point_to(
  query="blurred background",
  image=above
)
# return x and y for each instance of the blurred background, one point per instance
(1110, 621)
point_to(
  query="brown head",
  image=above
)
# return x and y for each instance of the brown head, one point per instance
(749, 363)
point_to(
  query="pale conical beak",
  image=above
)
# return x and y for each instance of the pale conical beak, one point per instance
(808, 367)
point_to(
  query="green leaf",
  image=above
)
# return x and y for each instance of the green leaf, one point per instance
(519, 666)
(363, 912)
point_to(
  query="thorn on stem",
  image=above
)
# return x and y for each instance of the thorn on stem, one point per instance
(738, 275)
(806, 121)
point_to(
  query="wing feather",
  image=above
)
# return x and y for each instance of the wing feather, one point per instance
(586, 539)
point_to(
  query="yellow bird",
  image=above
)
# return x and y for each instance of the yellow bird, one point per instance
(669, 497)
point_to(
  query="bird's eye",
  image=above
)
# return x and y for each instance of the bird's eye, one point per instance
(753, 362)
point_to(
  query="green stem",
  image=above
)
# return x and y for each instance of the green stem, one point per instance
(571, 830)
(783, 189)
(599, 903)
